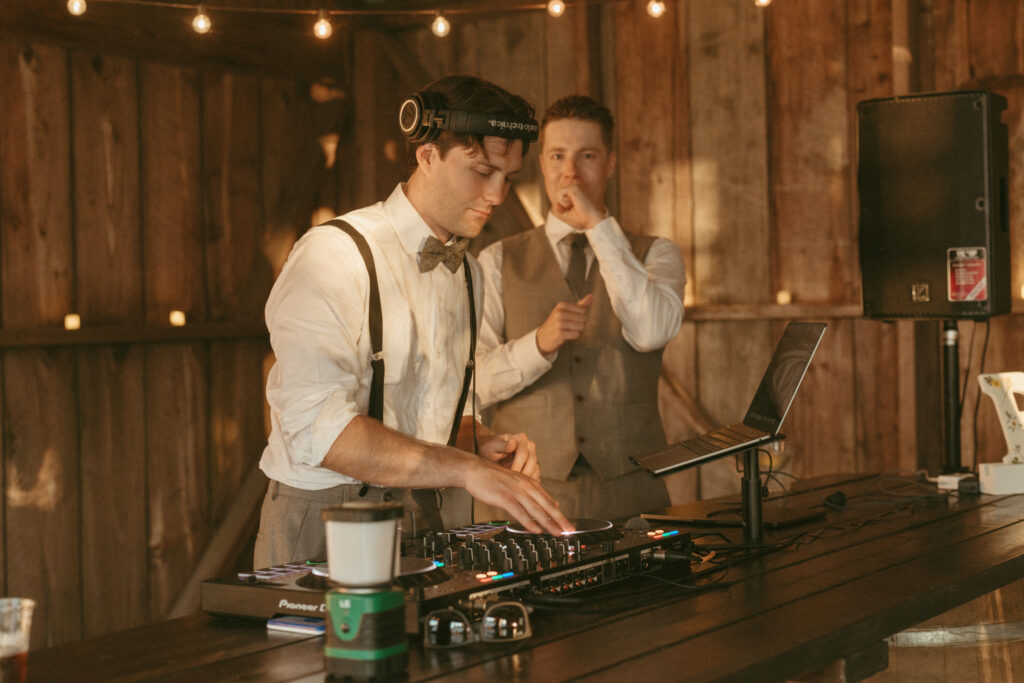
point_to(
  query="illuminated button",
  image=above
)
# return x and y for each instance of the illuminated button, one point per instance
(492, 573)
(481, 576)
(650, 533)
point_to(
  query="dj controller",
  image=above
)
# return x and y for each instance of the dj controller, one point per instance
(463, 567)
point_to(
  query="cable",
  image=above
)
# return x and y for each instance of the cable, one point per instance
(967, 370)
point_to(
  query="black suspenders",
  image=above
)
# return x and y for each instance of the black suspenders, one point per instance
(376, 409)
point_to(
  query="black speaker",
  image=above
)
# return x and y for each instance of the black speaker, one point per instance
(934, 223)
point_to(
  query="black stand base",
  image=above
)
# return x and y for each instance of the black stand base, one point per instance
(754, 518)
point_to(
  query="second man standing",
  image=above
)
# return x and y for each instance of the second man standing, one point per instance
(576, 315)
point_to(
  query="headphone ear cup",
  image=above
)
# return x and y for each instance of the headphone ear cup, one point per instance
(418, 117)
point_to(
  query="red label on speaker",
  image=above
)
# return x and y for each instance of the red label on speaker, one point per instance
(966, 272)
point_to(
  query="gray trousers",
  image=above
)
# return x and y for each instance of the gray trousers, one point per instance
(291, 529)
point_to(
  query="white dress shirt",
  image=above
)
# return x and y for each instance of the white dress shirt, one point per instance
(647, 299)
(317, 316)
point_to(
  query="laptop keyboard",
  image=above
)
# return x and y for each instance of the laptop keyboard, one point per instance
(722, 438)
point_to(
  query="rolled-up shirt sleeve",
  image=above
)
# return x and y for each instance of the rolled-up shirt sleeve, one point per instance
(315, 315)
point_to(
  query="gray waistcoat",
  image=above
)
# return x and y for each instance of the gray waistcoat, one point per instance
(600, 398)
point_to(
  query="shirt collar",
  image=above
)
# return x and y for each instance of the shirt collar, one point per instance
(409, 226)
(556, 229)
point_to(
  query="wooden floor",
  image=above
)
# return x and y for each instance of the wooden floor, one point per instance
(979, 642)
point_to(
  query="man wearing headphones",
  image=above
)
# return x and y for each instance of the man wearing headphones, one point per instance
(373, 329)
(576, 315)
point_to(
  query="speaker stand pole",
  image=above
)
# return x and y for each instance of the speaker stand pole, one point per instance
(951, 397)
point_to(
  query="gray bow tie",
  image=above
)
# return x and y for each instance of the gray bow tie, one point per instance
(434, 252)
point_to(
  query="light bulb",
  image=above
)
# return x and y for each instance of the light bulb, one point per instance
(655, 8)
(177, 318)
(72, 321)
(201, 22)
(322, 29)
(556, 8)
(762, 3)
(440, 27)
(76, 7)
(783, 297)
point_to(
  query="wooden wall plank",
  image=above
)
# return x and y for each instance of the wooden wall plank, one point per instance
(814, 241)
(381, 148)
(175, 374)
(110, 379)
(237, 275)
(882, 408)
(285, 156)
(951, 44)
(239, 278)
(171, 196)
(1014, 119)
(40, 458)
(42, 491)
(363, 130)
(176, 451)
(106, 159)
(730, 229)
(115, 566)
(996, 39)
(567, 55)
(35, 206)
(236, 418)
(813, 236)
(680, 356)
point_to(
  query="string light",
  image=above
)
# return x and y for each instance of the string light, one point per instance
(441, 27)
(201, 22)
(762, 3)
(72, 321)
(655, 8)
(177, 318)
(322, 29)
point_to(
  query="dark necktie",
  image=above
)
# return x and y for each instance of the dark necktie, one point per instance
(434, 252)
(576, 275)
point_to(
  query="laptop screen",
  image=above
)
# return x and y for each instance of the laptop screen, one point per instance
(786, 370)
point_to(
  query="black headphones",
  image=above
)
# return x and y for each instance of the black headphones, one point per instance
(422, 119)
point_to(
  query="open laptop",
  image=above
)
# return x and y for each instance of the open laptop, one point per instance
(764, 417)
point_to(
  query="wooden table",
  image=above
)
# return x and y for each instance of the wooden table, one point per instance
(898, 553)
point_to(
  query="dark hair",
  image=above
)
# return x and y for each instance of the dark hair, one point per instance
(585, 108)
(470, 93)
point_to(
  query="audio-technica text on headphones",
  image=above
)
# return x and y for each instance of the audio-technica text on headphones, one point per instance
(422, 119)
